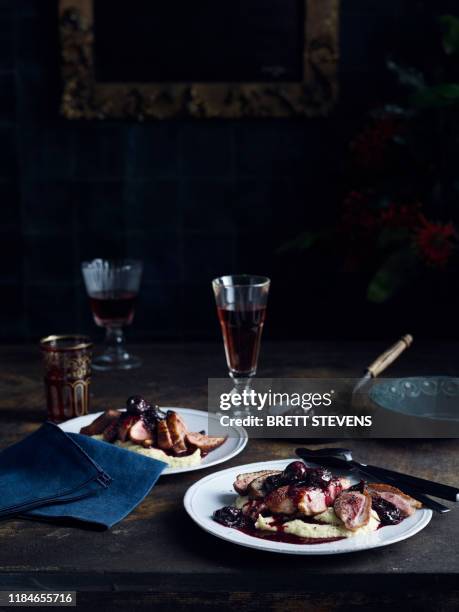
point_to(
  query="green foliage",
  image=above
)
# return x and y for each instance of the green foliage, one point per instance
(303, 241)
(450, 24)
(393, 274)
(437, 96)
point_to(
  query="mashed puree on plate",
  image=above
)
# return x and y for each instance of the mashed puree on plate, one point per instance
(156, 453)
(331, 526)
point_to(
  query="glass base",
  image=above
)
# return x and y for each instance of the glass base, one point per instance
(114, 361)
(241, 384)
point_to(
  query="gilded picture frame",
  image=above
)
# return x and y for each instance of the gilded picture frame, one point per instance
(85, 98)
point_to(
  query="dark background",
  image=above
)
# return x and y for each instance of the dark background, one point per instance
(244, 38)
(193, 198)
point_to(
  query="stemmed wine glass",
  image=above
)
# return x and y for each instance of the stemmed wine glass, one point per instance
(112, 287)
(241, 306)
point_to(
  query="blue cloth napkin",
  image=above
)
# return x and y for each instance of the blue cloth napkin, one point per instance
(45, 467)
(132, 478)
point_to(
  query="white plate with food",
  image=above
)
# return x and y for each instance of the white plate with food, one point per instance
(280, 506)
(178, 436)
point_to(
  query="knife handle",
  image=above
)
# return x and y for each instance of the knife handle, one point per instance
(385, 359)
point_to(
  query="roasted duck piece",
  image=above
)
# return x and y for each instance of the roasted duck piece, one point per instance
(353, 508)
(125, 423)
(110, 433)
(404, 503)
(178, 431)
(256, 488)
(99, 425)
(140, 433)
(297, 489)
(204, 442)
(149, 426)
(243, 481)
(163, 435)
(307, 500)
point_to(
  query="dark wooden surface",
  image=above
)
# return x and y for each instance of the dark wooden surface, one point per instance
(158, 548)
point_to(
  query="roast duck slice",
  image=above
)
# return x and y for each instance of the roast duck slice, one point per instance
(256, 489)
(205, 443)
(171, 433)
(304, 500)
(139, 433)
(288, 499)
(406, 505)
(167, 432)
(99, 425)
(163, 435)
(178, 431)
(125, 424)
(353, 508)
(242, 482)
(302, 491)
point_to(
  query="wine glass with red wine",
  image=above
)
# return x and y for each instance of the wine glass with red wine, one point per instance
(241, 306)
(112, 287)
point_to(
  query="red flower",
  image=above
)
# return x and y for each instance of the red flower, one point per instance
(370, 146)
(435, 242)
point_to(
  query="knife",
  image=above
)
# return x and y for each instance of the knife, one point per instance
(383, 361)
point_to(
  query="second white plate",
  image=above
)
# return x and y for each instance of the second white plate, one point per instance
(196, 420)
(216, 490)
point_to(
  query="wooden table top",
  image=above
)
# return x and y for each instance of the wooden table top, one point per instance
(158, 547)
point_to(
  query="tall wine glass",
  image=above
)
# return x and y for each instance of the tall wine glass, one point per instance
(241, 306)
(112, 287)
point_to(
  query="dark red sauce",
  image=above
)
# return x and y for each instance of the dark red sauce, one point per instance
(281, 536)
(233, 518)
(296, 493)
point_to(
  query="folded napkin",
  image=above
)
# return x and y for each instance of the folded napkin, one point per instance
(52, 475)
(45, 467)
(132, 478)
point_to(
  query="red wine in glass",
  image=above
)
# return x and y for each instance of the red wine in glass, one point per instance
(241, 306)
(242, 328)
(112, 286)
(113, 308)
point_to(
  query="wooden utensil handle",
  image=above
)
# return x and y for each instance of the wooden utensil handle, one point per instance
(389, 356)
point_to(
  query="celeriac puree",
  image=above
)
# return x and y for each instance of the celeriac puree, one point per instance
(156, 453)
(331, 526)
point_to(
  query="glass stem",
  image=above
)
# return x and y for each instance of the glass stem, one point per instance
(114, 342)
(240, 384)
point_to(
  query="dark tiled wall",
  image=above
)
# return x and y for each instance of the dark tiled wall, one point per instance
(194, 199)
